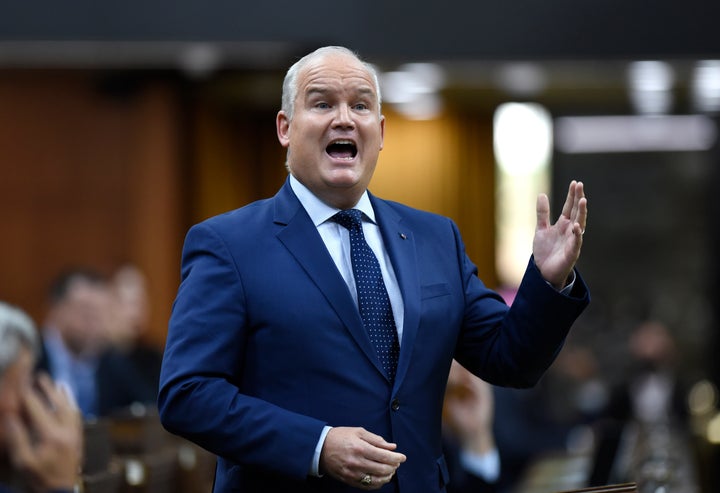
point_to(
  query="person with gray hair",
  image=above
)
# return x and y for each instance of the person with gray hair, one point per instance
(312, 334)
(17, 330)
(41, 432)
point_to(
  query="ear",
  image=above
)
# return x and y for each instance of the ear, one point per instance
(382, 131)
(282, 123)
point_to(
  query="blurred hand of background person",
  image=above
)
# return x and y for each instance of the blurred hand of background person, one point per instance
(45, 438)
(41, 429)
(469, 409)
(470, 449)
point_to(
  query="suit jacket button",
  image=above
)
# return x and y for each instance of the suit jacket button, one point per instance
(395, 404)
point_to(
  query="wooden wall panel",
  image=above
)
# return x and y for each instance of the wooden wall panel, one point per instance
(89, 177)
(444, 166)
(237, 159)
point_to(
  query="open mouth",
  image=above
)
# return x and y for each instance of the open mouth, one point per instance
(342, 149)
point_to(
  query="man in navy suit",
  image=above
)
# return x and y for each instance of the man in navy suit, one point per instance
(268, 363)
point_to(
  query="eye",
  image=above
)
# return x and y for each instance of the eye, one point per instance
(361, 107)
(322, 105)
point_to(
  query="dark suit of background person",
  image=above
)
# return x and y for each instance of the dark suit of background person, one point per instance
(266, 347)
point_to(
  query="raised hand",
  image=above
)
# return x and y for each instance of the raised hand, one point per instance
(359, 458)
(556, 247)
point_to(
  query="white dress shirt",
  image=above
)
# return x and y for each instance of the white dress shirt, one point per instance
(337, 241)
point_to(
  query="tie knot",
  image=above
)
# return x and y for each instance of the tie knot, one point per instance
(349, 218)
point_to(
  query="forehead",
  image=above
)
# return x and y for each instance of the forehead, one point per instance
(335, 72)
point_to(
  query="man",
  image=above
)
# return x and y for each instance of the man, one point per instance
(128, 369)
(78, 348)
(269, 362)
(41, 432)
(76, 333)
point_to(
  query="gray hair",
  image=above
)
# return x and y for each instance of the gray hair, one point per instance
(17, 330)
(290, 89)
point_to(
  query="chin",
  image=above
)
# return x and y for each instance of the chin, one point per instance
(343, 178)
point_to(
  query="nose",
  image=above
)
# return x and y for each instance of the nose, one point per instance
(343, 117)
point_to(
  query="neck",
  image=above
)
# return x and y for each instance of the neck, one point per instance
(341, 200)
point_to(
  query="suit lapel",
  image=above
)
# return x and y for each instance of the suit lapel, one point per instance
(400, 244)
(302, 240)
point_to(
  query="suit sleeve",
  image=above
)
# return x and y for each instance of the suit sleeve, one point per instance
(514, 346)
(200, 395)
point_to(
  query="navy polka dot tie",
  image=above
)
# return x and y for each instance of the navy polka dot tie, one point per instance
(373, 299)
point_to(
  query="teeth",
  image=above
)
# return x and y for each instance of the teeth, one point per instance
(343, 142)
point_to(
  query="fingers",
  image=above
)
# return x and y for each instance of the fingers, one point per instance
(380, 442)
(543, 211)
(574, 208)
(52, 415)
(20, 446)
(38, 409)
(569, 200)
(382, 455)
(60, 400)
(353, 454)
(581, 215)
(370, 482)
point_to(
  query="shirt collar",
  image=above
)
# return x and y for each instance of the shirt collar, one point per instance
(319, 211)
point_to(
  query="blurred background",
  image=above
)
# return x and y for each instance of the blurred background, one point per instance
(122, 124)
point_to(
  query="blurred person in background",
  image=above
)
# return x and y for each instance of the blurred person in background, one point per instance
(470, 447)
(41, 441)
(92, 340)
(129, 369)
(554, 417)
(648, 403)
(75, 333)
(652, 391)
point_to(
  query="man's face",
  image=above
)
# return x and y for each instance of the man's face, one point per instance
(14, 382)
(336, 131)
(82, 318)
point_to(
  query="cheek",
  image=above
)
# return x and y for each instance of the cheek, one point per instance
(9, 401)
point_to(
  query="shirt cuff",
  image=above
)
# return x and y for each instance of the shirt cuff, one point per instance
(315, 466)
(566, 290)
(486, 466)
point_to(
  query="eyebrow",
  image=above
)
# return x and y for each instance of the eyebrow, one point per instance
(322, 90)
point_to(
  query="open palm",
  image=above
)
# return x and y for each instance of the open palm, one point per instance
(556, 247)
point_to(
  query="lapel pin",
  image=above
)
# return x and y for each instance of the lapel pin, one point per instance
(403, 236)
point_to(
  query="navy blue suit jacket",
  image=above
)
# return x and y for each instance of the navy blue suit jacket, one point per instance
(266, 346)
